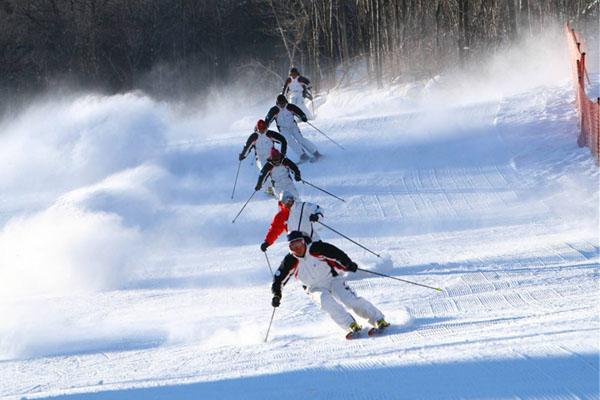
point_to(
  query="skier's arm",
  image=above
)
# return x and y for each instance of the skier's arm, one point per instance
(251, 140)
(314, 212)
(280, 277)
(279, 138)
(271, 114)
(296, 110)
(285, 85)
(306, 88)
(304, 80)
(276, 228)
(263, 174)
(292, 165)
(333, 253)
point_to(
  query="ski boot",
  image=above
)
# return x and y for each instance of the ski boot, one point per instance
(379, 327)
(354, 331)
(270, 191)
(303, 158)
(316, 157)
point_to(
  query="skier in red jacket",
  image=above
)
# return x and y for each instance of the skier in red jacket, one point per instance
(293, 215)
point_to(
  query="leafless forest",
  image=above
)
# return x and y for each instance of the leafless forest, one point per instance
(173, 46)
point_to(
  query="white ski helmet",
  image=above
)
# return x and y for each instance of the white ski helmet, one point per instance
(286, 196)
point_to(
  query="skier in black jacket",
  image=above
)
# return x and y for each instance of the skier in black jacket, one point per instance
(283, 113)
(297, 88)
(316, 265)
(277, 169)
(263, 140)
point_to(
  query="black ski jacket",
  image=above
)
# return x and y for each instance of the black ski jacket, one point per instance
(286, 162)
(274, 136)
(301, 79)
(332, 255)
(294, 109)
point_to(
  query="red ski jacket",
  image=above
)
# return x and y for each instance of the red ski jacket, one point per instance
(278, 225)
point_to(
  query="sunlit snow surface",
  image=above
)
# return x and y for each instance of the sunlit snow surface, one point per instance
(123, 277)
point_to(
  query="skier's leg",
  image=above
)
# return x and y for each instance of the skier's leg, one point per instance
(329, 304)
(285, 185)
(304, 142)
(268, 186)
(360, 306)
(291, 140)
(297, 99)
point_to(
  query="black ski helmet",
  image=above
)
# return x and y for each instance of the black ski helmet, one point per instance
(294, 70)
(295, 235)
(281, 99)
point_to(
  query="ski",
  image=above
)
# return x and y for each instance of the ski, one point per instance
(377, 331)
(353, 335)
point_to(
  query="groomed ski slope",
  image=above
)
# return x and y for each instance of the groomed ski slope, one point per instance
(123, 277)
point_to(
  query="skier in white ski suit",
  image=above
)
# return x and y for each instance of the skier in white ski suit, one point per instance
(283, 113)
(262, 141)
(296, 88)
(277, 169)
(293, 216)
(315, 265)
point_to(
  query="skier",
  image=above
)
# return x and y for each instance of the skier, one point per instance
(278, 170)
(296, 88)
(283, 113)
(315, 265)
(263, 140)
(294, 215)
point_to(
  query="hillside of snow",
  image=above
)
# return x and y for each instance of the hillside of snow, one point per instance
(122, 275)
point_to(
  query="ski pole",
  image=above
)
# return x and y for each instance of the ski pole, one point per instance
(270, 323)
(236, 178)
(323, 190)
(323, 133)
(398, 279)
(268, 263)
(344, 236)
(244, 206)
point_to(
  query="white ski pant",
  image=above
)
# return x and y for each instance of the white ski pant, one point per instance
(297, 99)
(282, 185)
(296, 141)
(331, 298)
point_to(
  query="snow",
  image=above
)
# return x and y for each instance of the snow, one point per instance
(122, 276)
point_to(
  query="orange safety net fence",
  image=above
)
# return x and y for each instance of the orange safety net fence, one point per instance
(588, 110)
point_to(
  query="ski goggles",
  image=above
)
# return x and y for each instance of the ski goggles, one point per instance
(297, 247)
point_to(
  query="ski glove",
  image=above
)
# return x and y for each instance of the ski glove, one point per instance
(314, 217)
(257, 187)
(304, 119)
(352, 266)
(242, 156)
(264, 246)
(276, 301)
(298, 178)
